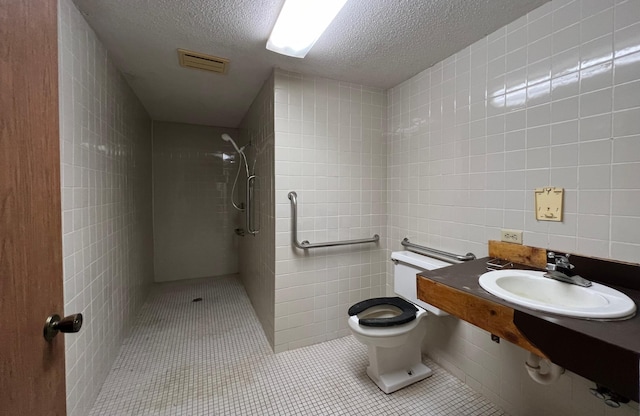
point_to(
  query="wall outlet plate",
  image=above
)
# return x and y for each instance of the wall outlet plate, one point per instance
(512, 236)
(549, 203)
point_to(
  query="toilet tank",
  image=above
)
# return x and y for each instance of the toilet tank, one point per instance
(406, 265)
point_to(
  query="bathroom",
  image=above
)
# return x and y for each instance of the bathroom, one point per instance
(387, 163)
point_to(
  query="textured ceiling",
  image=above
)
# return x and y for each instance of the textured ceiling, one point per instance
(378, 43)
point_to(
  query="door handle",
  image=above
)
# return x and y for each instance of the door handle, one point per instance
(68, 324)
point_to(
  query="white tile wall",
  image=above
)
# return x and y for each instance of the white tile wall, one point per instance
(330, 149)
(106, 205)
(257, 252)
(194, 221)
(550, 99)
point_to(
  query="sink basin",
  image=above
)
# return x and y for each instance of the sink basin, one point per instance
(531, 289)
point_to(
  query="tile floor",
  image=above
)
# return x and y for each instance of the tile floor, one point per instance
(210, 357)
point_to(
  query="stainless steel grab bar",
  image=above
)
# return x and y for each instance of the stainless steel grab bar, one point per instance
(293, 197)
(249, 211)
(436, 253)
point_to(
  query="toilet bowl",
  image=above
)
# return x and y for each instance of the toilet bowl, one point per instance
(392, 328)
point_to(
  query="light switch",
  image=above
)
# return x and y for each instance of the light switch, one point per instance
(549, 204)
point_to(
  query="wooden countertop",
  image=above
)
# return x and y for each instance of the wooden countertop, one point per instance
(606, 352)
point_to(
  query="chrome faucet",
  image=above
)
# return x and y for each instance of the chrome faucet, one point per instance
(559, 268)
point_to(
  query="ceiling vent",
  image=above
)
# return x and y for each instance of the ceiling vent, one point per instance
(197, 60)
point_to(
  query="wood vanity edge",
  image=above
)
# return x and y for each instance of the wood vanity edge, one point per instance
(490, 316)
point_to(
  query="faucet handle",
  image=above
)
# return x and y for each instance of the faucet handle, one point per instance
(558, 260)
(551, 261)
(563, 261)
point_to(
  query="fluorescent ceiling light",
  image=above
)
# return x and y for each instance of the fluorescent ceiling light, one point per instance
(300, 24)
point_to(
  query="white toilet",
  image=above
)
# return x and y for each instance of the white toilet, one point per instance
(393, 328)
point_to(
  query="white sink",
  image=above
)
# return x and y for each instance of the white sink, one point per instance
(531, 289)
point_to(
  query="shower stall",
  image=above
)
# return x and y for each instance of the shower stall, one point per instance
(194, 219)
(320, 137)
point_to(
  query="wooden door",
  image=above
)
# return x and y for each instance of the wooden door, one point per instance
(32, 380)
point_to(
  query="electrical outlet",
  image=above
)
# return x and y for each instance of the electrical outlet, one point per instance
(512, 236)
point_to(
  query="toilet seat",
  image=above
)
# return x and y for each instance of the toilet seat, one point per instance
(408, 312)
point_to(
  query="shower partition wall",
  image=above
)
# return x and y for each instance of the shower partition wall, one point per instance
(257, 253)
(329, 146)
(324, 138)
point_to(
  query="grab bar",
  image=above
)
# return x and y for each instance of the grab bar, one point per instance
(293, 197)
(432, 251)
(249, 210)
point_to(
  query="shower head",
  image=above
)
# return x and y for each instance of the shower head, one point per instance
(228, 138)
